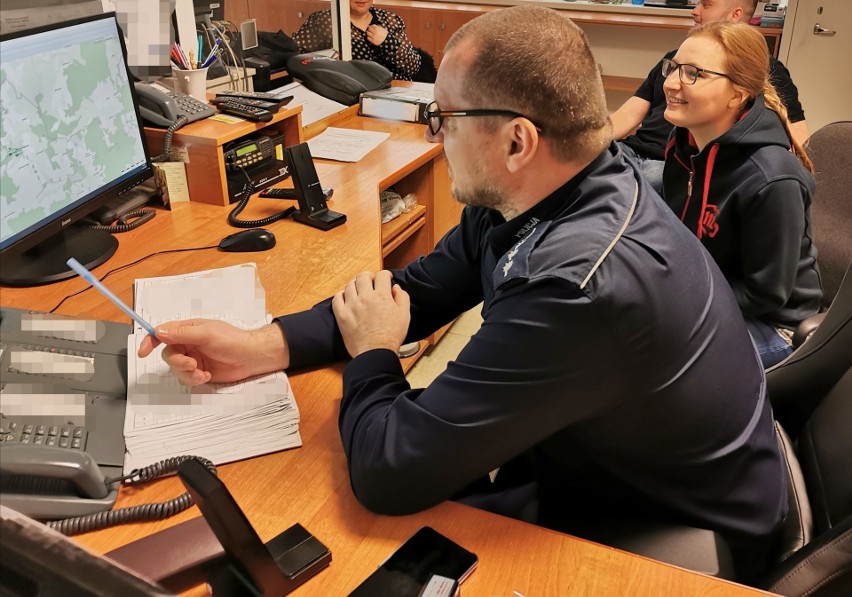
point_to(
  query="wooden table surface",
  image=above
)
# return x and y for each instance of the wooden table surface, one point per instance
(310, 485)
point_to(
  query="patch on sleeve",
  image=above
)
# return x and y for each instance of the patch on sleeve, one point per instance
(515, 263)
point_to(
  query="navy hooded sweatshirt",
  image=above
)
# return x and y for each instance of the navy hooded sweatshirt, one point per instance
(747, 198)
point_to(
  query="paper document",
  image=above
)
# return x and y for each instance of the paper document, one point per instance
(314, 106)
(221, 422)
(345, 145)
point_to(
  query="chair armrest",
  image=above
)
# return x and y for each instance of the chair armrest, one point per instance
(805, 328)
(823, 567)
(700, 550)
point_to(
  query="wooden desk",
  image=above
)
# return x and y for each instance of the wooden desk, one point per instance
(310, 485)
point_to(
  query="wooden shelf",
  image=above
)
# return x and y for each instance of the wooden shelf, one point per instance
(616, 83)
(202, 143)
(402, 227)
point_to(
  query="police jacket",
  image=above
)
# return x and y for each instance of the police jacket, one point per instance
(611, 357)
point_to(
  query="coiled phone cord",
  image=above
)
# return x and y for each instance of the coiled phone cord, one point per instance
(142, 512)
(124, 224)
(248, 189)
(167, 140)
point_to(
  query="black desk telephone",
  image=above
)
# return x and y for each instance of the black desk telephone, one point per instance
(160, 106)
(63, 387)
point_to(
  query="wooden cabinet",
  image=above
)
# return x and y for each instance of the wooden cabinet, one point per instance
(286, 16)
(431, 28)
(237, 11)
(202, 144)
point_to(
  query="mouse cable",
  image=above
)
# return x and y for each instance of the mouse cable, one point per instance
(142, 512)
(125, 266)
(248, 189)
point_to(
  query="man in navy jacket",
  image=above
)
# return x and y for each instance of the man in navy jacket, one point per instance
(612, 371)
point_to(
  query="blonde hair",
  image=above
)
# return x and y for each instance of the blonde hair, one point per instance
(748, 68)
(536, 62)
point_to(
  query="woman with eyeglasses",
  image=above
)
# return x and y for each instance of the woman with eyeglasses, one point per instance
(737, 179)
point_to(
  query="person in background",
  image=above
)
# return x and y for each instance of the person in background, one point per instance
(377, 35)
(739, 180)
(612, 374)
(645, 109)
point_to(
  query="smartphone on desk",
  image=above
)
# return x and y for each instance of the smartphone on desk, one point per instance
(427, 565)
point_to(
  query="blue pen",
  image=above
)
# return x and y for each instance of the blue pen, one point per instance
(214, 52)
(88, 277)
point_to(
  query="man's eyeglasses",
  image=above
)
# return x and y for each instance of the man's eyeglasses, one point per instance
(688, 74)
(435, 117)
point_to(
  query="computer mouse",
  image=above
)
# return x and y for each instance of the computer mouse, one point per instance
(254, 239)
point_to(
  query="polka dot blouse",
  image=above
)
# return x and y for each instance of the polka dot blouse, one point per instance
(395, 53)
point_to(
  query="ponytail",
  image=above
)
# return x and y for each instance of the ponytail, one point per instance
(774, 103)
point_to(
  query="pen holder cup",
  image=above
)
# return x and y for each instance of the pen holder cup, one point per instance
(191, 82)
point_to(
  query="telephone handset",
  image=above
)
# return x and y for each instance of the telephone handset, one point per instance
(160, 106)
(45, 481)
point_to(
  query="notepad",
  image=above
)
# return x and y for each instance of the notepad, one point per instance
(220, 422)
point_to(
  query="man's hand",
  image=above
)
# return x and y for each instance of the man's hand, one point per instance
(376, 34)
(372, 312)
(200, 351)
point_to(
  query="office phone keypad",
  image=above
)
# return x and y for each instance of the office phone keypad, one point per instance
(72, 437)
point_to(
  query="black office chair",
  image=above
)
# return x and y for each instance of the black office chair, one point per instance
(830, 149)
(812, 390)
(427, 73)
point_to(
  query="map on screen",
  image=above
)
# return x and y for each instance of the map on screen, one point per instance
(68, 122)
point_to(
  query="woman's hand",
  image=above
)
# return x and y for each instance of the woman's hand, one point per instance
(376, 34)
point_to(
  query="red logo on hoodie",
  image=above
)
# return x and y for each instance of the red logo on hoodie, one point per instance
(708, 223)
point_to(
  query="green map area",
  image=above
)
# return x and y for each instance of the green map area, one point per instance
(66, 129)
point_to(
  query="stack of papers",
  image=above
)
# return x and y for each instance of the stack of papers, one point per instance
(314, 106)
(220, 422)
(345, 145)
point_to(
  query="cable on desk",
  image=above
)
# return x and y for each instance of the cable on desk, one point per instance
(143, 512)
(125, 266)
(248, 189)
(126, 223)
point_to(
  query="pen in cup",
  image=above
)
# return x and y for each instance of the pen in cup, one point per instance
(88, 277)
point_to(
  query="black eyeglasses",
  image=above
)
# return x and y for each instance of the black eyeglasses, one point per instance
(687, 73)
(435, 117)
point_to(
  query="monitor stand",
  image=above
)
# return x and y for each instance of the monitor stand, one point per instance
(45, 262)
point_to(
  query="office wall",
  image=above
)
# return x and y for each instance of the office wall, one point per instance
(820, 63)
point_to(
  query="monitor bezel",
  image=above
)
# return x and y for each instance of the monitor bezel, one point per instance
(82, 207)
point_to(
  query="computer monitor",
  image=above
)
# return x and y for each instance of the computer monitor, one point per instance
(71, 140)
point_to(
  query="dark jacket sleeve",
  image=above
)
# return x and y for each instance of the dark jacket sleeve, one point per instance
(442, 285)
(508, 390)
(783, 83)
(773, 224)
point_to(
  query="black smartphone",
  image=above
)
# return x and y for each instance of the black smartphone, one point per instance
(426, 561)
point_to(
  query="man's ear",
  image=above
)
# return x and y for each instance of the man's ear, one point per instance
(736, 14)
(521, 144)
